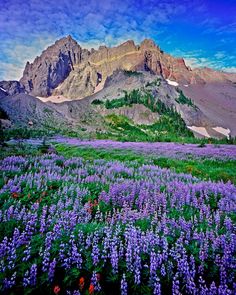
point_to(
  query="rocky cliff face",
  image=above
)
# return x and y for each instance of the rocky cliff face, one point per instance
(11, 88)
(68, 70)
(52, 67)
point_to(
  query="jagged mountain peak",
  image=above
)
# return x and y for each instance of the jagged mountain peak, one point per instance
(66, 41)
(52, 67)
(127, 43)
(148, 43)
(66, 69)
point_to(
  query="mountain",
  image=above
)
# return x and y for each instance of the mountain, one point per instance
(52, 67)
(68, 70)
(75, 77)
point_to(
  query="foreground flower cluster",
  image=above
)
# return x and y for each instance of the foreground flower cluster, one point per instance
(79, 227)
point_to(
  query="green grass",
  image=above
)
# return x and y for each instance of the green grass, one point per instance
(19, 149)
(132, 73)
(89, 153)
(206, 169)
(203, 169)
(121, 128)
(156, 82)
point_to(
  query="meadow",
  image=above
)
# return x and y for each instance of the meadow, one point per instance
(95, 220)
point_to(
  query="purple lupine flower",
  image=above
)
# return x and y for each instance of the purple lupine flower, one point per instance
(27, 253)
(175, 286)
(26, 279)
(124, 286)
(9, 283)
(51, 270)
(33, 274)
(157, 287)
(139, 193)
(213, 289)
(95, 282)
(163, 270)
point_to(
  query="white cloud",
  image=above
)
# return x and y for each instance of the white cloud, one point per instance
(204, 62)
(10, 71)
(18, 54)
(199, 62)
(229, 69)
(220, 55)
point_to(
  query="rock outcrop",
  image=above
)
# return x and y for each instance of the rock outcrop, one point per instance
(23, 109)
(101, 63)
(80, 83)
(52, 67)
(11, 88)
(2, 93)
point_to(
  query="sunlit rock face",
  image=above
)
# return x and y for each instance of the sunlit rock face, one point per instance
(52, 67)
(68, 70)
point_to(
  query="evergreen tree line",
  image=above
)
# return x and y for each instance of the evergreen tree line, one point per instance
(155, 105)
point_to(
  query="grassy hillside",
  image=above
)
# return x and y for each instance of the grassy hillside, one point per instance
(123, 129)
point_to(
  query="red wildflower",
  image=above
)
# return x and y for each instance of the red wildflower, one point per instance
(14, 195)
(56, 289)
(91, 289)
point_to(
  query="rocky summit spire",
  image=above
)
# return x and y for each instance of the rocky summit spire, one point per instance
(51, 67)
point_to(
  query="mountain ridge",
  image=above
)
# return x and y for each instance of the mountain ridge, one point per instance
(73, 77)
(64, 65)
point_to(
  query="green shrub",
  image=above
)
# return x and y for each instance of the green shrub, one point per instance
(156, 82)
(97, 102)
(132, 73)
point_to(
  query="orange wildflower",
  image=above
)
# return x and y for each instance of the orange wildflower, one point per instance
(56, 289)
(91, 289)
(14, 195)
(81, 283)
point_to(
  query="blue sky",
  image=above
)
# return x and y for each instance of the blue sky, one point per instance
(202, 31)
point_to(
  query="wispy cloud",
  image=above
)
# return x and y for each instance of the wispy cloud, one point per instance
(220, 55)
(229, 69)
(201, 62)
(201, 58)
(15, 55)
(10, 71)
